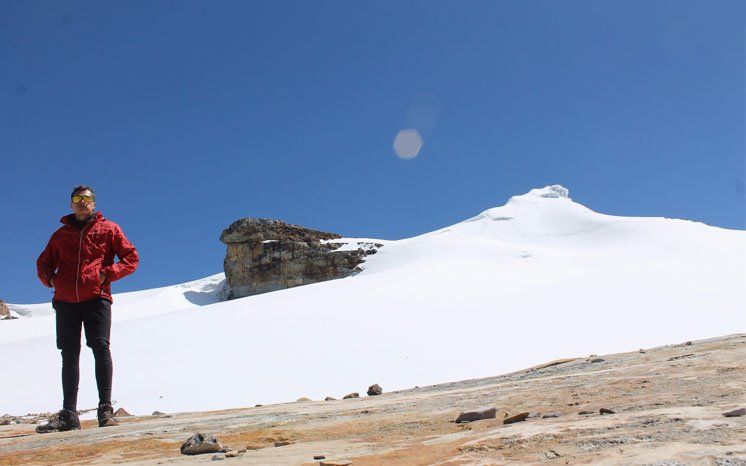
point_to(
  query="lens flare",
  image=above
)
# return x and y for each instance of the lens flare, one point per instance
(407, 144)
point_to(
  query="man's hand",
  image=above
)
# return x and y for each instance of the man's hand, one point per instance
(101, 278)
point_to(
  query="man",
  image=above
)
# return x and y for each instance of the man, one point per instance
(78, 263)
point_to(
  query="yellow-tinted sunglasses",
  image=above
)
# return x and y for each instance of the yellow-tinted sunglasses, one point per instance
(87, 199)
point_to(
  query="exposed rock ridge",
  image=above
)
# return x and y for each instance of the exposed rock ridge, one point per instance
(4, 311)
(267, 255)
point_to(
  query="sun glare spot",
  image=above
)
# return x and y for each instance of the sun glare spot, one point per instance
(407, 144)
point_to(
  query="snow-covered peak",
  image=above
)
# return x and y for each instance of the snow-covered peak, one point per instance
(541, 212)
(554, 191)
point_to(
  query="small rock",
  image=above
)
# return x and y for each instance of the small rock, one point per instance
(157, 413)
(533, 415)
(642, 351)
(258, 406)
(517, 418)
(688, 343)
(550, 415)
(121, 412)
(198, 444)
(282, 443)
(335, 463)
(218, 457)
(233, 454)
(605, 411)
(319, 457)
(330, 398)
(375, 390)
(304, 399)
(472, 416)
(254, 447)
(597, 360)
(736, 413)
(351, 395)
(584, 412)
(551, 454)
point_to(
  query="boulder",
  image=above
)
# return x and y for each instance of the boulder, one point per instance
(351, 395)
(4, 311)
(736, 413)
(516, 418)
(121, 412)
(472, 416)
(198, 444)
(267, 255)
(375, 390)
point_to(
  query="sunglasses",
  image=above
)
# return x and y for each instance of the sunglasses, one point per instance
(86, 199)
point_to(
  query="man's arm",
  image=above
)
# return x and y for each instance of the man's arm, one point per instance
(128, 258)
(46, 264)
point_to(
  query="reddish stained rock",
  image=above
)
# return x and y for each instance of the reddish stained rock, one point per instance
(516, 418)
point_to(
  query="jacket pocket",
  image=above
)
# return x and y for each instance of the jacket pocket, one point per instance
(90, 280)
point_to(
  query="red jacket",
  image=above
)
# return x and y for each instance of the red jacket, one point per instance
(74, 258)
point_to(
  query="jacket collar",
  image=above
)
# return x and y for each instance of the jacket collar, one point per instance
(69, 219)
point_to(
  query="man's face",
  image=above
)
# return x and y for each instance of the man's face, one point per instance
(85, 205)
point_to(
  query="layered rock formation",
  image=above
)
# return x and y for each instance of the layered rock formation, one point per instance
(268, 255)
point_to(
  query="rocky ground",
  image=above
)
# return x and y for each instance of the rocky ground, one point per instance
(667, 404)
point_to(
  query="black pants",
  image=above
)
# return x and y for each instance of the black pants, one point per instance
(95, 317)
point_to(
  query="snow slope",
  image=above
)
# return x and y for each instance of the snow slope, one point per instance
(537, 279)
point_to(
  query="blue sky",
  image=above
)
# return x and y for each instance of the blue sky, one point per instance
(188, 115)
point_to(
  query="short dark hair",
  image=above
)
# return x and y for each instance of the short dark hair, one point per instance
(82, 188)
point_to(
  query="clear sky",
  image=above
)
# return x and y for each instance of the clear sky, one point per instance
(185, 116)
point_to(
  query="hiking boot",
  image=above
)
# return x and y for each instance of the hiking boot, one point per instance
(106, 415)
(61, 422)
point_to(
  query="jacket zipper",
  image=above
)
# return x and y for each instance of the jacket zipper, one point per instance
(77, 271)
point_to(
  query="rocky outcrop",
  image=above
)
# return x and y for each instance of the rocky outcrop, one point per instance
(4, 311)
(268, 255)
(666, 414)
